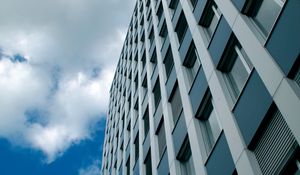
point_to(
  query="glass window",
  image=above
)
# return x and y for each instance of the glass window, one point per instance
(164, 33)
(153, 60)
(296, 75)
(146, 122)
(176, 104)
(151, 37)
(194, 3)
(211, 127)
(129, 103)
(128, 166)
(161, 140)
(148, 163)
(159, 11)
(238, 70)
(236, 67)
(181, 27)
(174, 4)
(149, 17)
(136, 147)
(147, 3)
(210, 18)
(168, 62)
(192, 63)
(122, 147)
(186, 159)
(143, 60)
(136, 84)
(267, 13)
(144, 89)
(136, 112)
(121, 168)
(157, 94)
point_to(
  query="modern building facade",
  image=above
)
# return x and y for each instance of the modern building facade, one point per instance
(207, 87)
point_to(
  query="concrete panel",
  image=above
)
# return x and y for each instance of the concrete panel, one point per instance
(184, 47)
(179, 133)
(136, 168)
(252, 107)
(157, 116)
(176, 15)
(284, 41)
(171, 82)
(219, 40)
(199, 9)
(220, 160)
(127, 152)
(160, 24)
(146, 146)
(198, 90)
(154, 78)
(152, 49)
(135, 130)
(145, 103)
(163, 166)
(165, 47)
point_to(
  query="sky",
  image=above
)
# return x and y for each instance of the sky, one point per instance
(57, 61)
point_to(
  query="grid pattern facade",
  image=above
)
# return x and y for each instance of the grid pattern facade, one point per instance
(207, 87)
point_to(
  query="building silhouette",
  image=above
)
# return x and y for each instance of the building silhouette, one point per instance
(207, 87)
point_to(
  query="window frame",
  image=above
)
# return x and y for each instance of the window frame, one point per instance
(294, 73)
(157, 98)
(182, 22)
(127, 165)
(163, 33)
(151, 37)
(185, 157)
(136, 84)
(168, 62)
(144, 88)
(175, 94)
(204, 113)
(211, 10)
(159, 12)
(161, 148)
(193, 3)
(232, 53)
(251, 9)
(147, 162)
(146, 122)
(136, 149)
(192, 58)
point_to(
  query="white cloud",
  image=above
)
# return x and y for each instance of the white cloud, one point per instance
(93, 169)
(20, 89)
(78, 103)
(52, 101)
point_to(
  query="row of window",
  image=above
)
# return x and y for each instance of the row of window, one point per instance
(235, 65)
(263, 17)
(284, 151)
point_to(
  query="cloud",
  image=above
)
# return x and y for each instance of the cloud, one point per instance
(75, 108)
(18, 92)
(64, 31)
(78, 102)
(57, 61)
(93, 169)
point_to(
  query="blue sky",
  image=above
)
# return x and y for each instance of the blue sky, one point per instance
(16, 160)
(57, 61)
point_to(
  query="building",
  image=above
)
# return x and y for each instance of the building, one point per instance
(207, 87)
